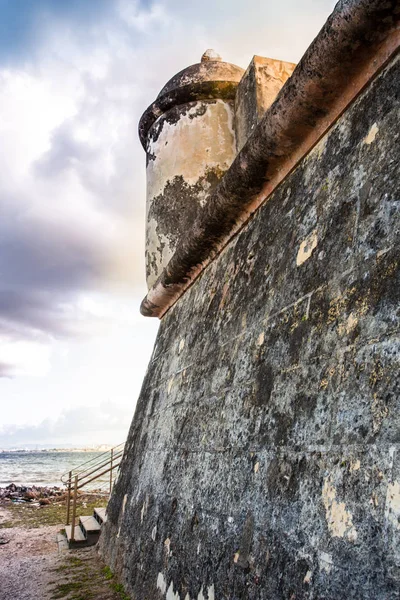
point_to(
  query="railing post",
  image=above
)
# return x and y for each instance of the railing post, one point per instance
(111, 471)
(74, 509)
(69, 495)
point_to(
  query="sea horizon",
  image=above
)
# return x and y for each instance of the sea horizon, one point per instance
(57, 448)
(44, 468)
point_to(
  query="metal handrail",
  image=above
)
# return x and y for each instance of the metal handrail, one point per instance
(81, 467)
(78, 477)
(100, 466)
(95, 467)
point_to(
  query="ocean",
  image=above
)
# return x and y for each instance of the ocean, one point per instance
(43, 468)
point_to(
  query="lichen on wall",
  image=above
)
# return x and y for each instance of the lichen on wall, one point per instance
(265, 444)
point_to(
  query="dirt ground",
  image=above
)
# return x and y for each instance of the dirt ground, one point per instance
(32, 566)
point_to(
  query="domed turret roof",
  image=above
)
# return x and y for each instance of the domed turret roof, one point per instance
(208, 79)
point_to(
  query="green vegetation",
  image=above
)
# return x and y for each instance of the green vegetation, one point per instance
(108, 574)
(119, 588)
(83, 577)
(29, 516)
(63, 589)
(73, 561)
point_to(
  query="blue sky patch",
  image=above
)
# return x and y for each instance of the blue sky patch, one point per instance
(21, 20)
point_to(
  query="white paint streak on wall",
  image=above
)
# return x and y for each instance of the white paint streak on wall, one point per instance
(392, 510)
(211, 594)
(171, 594)
(340, 522)
(161, 583)
(124, 503)
(306, 248)
(325, 562)
(143, 512)
(307, 577)
(371, 134)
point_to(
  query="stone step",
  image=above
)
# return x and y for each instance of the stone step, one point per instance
(100, 515)
(89, 525)
(79, 537)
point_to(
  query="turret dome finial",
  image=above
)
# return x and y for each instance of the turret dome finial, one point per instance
(210, 54)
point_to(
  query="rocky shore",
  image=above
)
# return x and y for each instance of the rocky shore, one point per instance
(33, 494)
(38, 506)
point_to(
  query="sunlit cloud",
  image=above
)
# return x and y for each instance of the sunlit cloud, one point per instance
(79, 425)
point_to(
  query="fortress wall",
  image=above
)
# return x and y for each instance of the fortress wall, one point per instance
(262, 461)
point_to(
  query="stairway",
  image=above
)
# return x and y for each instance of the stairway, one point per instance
(88, 530)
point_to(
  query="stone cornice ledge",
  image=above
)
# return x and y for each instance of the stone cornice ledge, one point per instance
(355, 43)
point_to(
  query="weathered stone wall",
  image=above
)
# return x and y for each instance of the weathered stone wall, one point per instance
(256, 91)
(262, 461)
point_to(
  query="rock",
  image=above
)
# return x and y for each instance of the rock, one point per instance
(44, 501)
(29, 495)
(3, 541)
(22, 493)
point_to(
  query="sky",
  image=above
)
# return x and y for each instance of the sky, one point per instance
(75, 78)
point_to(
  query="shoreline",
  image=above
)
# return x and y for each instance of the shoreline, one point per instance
(30, 493)
(41, 495)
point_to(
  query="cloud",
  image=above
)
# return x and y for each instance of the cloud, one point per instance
(24, 357)
(74, 426)
(72, 197)
(143, 19)
(72, 204)
(6, 370)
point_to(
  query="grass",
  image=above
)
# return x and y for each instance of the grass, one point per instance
(108, 574)
(63, 589)
(30, 516)
(83, 577)
(119, 588)
(73, 561)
